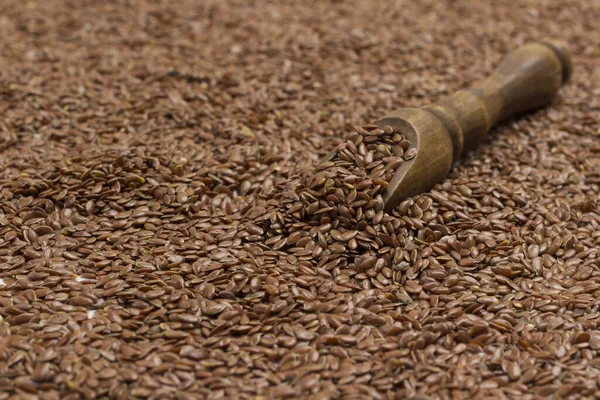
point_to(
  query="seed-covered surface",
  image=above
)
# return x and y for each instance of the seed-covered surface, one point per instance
(167, 229)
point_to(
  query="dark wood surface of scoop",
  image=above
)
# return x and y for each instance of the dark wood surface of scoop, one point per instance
(526, 79)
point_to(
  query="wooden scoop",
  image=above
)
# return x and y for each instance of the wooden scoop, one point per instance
(526, 79)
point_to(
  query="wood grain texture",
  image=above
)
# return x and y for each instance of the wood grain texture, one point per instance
(527, 78)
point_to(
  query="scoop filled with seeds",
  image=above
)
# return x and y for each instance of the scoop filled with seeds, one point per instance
(525, 80)
(357, 172)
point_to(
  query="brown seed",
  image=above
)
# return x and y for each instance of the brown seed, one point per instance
(42, 372)
(214, 309)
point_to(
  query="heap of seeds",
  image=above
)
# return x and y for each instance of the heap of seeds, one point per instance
(167, 229)
(335, 220)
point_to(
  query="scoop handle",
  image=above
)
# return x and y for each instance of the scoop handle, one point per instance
(526, 79)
